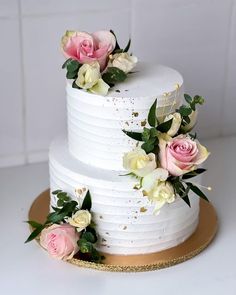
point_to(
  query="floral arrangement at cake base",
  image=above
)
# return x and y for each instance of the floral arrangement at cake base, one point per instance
(168, 155)
(95, 62)
(68, 231)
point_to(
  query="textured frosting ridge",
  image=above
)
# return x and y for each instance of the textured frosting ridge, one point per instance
(95, 122)
(124, 218)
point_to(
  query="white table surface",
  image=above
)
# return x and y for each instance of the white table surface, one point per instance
(26, 269)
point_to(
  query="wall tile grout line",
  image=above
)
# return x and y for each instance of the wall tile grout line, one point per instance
(23, 92)
(227, 62)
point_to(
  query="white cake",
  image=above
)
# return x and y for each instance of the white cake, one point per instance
(91, 158)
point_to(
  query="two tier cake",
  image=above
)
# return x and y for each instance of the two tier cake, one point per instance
(119, 178)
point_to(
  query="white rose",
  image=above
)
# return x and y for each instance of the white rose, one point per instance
(81, 219)
(139, 163)
(150, 180)
(193, 120)
(100, 87)
(176, 122)
(88, 75)
(161, 194)
(123, 61)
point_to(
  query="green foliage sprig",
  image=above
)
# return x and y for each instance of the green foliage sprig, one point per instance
(66, 207)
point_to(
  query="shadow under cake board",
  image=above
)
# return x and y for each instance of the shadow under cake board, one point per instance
(196, 243)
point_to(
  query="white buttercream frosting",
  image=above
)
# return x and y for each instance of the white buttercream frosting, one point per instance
(124, 218)
(95, 122)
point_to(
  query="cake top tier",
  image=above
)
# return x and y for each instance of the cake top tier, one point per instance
(147, 81)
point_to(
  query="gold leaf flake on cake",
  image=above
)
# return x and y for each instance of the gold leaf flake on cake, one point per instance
(143, 209)
(143, 123)
(135, 114)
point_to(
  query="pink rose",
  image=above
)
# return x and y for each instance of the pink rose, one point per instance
(181, 154)
(87, 48)
(60, 241)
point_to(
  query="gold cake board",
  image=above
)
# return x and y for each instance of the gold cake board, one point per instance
(198, 241)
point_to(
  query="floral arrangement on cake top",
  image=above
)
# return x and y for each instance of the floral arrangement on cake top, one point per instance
(168, 156)
(95, 62)
(69, 230)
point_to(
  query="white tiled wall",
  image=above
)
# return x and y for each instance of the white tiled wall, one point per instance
(196, 37)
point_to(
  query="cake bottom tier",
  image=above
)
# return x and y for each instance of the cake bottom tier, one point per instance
(124, 218)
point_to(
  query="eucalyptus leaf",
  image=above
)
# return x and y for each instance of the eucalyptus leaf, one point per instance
(66, 62)
(188, 98)
(89, 236)
(152, 119)
(114, 75)
(56, 192)
(165, 126)
(71, 75)
(146, 134)
(74, 85)
(134, 135)
(73, 66)
(87, 202)
(148, 147)
(185, 110)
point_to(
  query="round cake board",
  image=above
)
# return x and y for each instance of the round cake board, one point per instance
(196, 243)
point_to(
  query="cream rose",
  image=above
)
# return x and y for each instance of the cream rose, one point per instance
(81, 219)
(151, 179)
(161, 193)
(139, 163)
(181, 154)
(88, 75)
(100, 88)
(123, 61)
(193, 120)
(176, 122)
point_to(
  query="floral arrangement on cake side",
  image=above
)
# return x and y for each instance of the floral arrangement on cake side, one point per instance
(95, 62)
(168, 156)
(68, 230)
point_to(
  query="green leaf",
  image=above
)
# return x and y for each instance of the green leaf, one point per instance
(56, 192)
(60, 203)
(87, 202)
(146, 134)
(186, 119)
(67, 210)
(88, 236)
(133, 135)
(185, 110)
(152, 119)
(148, 147)
(193, 173)
(198, 99)
(117, 45)
(35, 233)
(186, 200)
(114, 75)
(165, 126)
(127, 46)
(91, 229)
(85, 246)
(34, 223)
(61, 195)
(71, 75)
(188, 98)
(66, 62)
(74, 85)
(197, 191)
(153, 132)
(73, 66)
